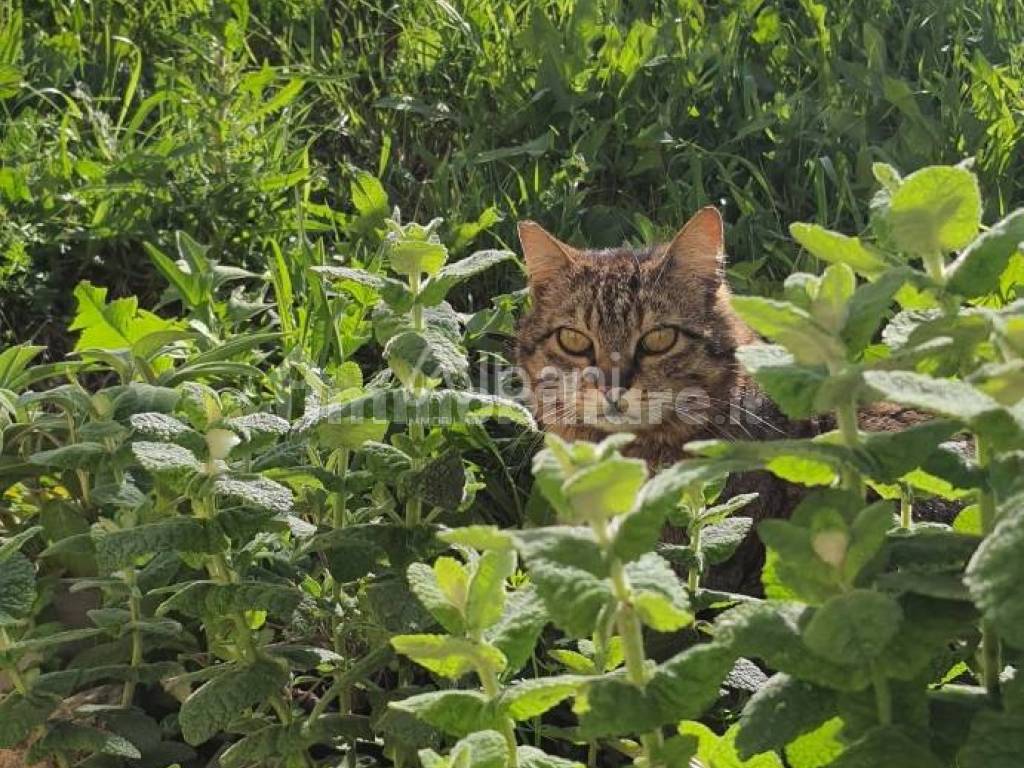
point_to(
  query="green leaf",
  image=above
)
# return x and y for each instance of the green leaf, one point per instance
(394, 292)
(527, 699)
(604, 490)
(790, 326)
(369, 199)
(17, 587)
(868, 308)
(818, 748)
(771, 632)
(978, 269)
(834, 248)
(414, 257)
(165, 458)
(853, 628)
(277, 741)
(783, 709)
(483, 749)
(456, 712)
(658, 596)
(428, 355)
(74, 456)
(215, 704)
(996, 740)
(444, 604)
(118, 549)
(994, 577)
(486, 600)
(450, 657)
(440, 483)
(718, 542)
(800, 391)
(20, 714)
(452, 274)
(63, 738)
(531, 757)
(258, 492)
(716, 751)
(205, 598)
(682, 687)
(887, 747)
(570, 573)
(516, 632)
(949, 398)
(936, 209)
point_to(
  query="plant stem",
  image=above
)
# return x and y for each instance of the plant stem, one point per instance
(341, 457)
(846, 418)
(135, 609)
(906, 508)
(693, 575)
(991, 663)
(935, 266)
(12, 671)
(489, 680)
(883, 695)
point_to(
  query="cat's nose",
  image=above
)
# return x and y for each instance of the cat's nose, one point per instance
(615, 396)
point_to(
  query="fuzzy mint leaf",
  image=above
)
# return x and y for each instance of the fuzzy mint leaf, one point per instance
(978, 269)
(483, 749)
(65, 737)
(258, 492)
(455, 712)
(790, 326)
(604, 490)
(783, 709)
(935, 210)
(889, 747)
(995, 572)
(17, 587)
(485, 602)
(680, 688)
(452, 274)
(204, 598)
(165, 459)
(996, 740)
(118, 549)
(528, 699)
(835, 248)
(442, 589)
(450, 657)
(21, 714)
(719, 541)
(276, 741)
(212, 707)
(853, 628)
(75, 456)
(516, 632)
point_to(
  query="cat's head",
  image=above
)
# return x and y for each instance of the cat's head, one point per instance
(629, 339)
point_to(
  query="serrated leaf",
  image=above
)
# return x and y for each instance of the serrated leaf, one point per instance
(455, 712)
(604, 490)
(20, 714)
(485, 601)
(516, 632)
(205, 598)
(17, 587)
(853, 628)
(427, 355)
(790, 326)
(258, 492)
(994, 576)
(424, 582)
(212, 706)
(936, 209)
(118, 549)
(483, 749)
(680, 688)
(62, 738)
(718, 542)
(276, 741)
(818, 748)
(834, 248)
(887, 747)
(450, 657)
(165, 458)
(75, 456)
(782, 710)
(452, 274)
(527, 699)
(717, 751)
(978, 269)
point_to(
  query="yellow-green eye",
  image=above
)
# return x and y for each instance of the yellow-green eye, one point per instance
(659, 340)
(573, 342)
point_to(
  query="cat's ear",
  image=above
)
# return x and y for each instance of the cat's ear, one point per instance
(545, 255)
(698, 249)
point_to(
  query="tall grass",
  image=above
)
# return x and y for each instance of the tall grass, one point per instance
(242, 123)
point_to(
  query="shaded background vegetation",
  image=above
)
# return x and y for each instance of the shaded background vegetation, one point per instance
(246, 123)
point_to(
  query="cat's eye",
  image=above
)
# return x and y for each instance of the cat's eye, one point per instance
(659, 340)
(573, 342)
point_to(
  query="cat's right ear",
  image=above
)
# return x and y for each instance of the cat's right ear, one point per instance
(544, 254)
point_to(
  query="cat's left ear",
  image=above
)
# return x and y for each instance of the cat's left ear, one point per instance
(545, 255)
(698, 250)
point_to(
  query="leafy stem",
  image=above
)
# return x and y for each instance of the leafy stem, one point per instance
(492, 688)
(846, 419)
(135, 610)
(990, 651)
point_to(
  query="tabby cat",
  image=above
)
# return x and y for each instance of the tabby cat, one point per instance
(644, 340)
